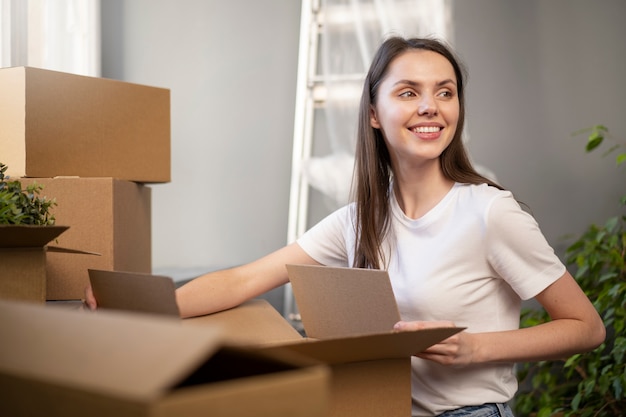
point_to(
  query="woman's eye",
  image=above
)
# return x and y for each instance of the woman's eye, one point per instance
(407, 94)
(446, 94)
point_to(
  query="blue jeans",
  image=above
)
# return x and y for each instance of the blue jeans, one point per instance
(485, 410)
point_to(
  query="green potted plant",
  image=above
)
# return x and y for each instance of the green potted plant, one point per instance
(26, 228)
(594, 383)
(23, 207)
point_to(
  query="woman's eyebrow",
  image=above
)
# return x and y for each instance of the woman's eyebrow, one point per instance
(416, 83)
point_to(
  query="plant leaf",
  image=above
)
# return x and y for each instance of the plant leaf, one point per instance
(595, 140)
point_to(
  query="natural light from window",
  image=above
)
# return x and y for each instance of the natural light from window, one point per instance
(61, 35)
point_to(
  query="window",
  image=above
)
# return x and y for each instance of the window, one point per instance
(62, 35)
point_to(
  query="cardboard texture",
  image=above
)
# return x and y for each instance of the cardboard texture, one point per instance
(355, 393)
(59, 124)
(56, 362)
(371, 368)
(23, 260)
(107, 216)
(118, 291)
(255, 323)
(370, 375)
(340, 301)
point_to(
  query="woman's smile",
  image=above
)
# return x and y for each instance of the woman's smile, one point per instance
(427, 132)
(417, 108)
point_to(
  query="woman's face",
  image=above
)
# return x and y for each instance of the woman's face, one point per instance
(417, 107)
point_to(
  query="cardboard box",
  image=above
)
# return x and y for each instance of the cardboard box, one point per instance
(371, 367)
(59, 124)
(107, 216)
(23, 260)
(57, 362)
(253, 323)
(371, 373)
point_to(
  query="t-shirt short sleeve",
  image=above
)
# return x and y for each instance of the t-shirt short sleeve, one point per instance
(518, 251)
(326, 242)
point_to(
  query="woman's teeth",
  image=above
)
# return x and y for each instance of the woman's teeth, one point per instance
(427, 129)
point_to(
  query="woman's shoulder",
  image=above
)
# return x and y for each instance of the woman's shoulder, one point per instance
(480, 196)
(483, 190)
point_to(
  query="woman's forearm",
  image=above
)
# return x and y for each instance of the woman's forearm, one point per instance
(575, 327)
(221, 290)
(553, 340)
(210, 293)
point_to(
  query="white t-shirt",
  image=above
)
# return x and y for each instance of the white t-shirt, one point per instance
(469, 260)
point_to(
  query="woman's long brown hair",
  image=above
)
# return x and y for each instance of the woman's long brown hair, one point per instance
(373, 171)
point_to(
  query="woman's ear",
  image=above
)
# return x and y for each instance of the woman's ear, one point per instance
(373, 119)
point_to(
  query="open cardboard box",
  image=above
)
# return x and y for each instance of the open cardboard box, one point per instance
(370, 363)
(23, 259)
(371, 374)
(58, 362)
(60, 124)
(371, 369)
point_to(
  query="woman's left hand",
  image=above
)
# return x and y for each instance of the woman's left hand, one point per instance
(457, 350)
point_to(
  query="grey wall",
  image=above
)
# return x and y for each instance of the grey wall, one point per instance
(231, 67)
(539, 70)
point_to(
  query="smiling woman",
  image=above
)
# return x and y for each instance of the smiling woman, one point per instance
(417, 110)
(459, 250)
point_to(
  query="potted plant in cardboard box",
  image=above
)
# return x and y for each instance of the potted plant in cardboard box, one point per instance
(26, 228)
(594, 383)
(23, 207)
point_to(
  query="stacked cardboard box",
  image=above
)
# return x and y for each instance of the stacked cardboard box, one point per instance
(95, 145)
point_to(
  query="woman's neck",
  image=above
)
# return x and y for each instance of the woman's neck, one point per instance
(418, 191)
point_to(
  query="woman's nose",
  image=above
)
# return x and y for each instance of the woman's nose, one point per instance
(427, 106)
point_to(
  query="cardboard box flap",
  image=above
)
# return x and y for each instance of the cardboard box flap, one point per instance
(255, 323)
(28, 236)
(335, 302)
(391, 345)
(129, 356)
(58, 249)
(134, 291)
